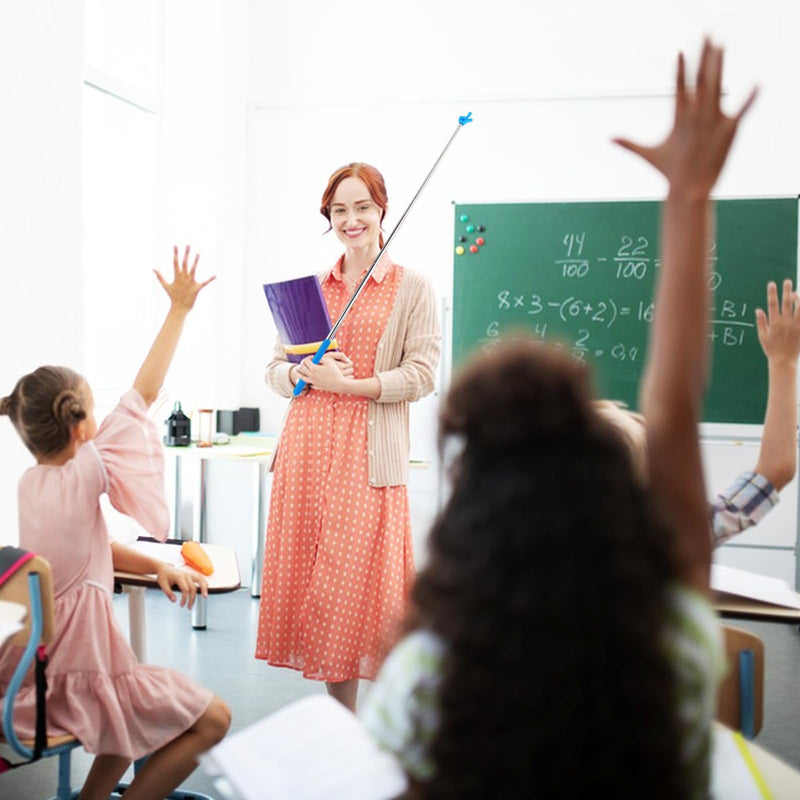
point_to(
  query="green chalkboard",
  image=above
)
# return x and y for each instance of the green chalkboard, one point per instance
(582, 274)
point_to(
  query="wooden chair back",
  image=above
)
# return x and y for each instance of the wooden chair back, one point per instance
(729, 698)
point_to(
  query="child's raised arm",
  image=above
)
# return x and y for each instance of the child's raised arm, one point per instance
(182, 293)
(691, 158)
(779, 335)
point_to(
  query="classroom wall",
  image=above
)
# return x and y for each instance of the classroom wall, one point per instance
(41, 295)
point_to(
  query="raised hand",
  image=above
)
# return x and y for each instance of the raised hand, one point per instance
(779, 327)
(692, 155)
(184, 288)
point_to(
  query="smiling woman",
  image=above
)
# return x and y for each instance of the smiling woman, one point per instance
(338, 564)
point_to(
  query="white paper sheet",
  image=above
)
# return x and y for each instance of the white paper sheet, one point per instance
(753, 586)
(313, 749)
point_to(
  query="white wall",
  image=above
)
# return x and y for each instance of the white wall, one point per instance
(41, 295)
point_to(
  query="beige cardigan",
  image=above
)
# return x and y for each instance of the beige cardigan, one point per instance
(405, 364)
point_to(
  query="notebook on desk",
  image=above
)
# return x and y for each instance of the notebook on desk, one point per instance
(738, 592)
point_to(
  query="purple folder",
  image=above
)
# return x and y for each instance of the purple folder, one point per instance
(300, 315)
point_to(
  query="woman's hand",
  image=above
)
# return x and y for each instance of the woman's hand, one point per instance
(186, 582)
(184, 288)
(330, 375)
(692, 155)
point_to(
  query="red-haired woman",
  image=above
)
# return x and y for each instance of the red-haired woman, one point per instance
(338, 564)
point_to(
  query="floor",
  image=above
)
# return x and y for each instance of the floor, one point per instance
(221, 658)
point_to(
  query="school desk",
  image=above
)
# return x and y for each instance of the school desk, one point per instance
(225, 578)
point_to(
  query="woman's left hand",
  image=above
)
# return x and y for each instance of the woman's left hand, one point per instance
(186, 582)
(330, 375)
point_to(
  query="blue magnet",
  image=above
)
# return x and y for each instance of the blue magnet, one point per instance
(470, 228)
(464, 218)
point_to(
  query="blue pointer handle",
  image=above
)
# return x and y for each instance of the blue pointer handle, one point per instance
(323, 348)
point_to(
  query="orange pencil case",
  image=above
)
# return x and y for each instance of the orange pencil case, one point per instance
(196, 558)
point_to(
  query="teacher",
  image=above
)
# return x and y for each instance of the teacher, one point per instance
(338, 563)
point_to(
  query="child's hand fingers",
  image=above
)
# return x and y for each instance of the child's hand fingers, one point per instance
(787, 299)
(165, 584)
(746, 105)
(772, 300)
(175, 264)
(201, 584)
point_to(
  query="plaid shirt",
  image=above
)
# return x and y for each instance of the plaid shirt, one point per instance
(743, 504)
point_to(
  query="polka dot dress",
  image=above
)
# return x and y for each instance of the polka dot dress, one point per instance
(338, 564)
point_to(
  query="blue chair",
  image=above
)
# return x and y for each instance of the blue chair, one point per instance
(32, 586)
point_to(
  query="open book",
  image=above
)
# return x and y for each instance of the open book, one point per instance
(312, 749)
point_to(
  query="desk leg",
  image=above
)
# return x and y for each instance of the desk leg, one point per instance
(178, 515)
(199, 610)
(260, 531)
(136, 621)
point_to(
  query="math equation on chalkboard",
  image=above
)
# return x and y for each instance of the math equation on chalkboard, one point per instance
(582, 275)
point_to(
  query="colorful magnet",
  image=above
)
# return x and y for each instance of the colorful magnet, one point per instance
(470, 228)
(481, 228)
(480, 241)
(462, 238)
(464, 218)
(473, 248)
(459, 251)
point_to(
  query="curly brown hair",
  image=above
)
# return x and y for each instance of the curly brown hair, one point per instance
(547, 580)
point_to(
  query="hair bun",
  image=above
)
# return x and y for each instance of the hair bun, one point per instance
(68, 409)
(5, 406)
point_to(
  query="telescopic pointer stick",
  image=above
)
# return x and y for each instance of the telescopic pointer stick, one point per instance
(323, 348)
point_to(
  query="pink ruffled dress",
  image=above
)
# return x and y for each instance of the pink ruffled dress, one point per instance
(97, 689)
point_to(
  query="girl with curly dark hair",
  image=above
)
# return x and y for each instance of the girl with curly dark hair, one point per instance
(562, 643)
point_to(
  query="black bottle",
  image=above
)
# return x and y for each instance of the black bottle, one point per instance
(179, 428)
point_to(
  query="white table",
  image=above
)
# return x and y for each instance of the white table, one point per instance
(225, 578)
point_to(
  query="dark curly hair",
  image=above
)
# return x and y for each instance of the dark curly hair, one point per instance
(547, 581)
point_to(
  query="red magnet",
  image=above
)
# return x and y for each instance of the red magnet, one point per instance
(480, 241)
(473, 248)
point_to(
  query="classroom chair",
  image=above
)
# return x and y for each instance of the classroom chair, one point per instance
(740, 701)
(31, 585)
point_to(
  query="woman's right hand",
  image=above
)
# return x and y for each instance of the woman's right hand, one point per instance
(341, 360)
(327, 375)
(184, 288)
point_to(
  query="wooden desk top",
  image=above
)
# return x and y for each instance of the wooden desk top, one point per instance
(225, 577)
(731, 605)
